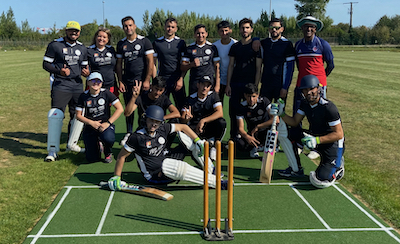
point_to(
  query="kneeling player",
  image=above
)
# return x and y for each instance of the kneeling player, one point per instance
(255, 111)
(326, 128)
(97, 118)
(149, 145)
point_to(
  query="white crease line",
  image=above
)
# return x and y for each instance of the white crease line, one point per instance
(368, 214)
(50, 217)
(103, 218)
(310, 207)
(200, 232)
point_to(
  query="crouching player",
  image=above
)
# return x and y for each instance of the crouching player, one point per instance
(99, 127)
(327, 136)
(255, 111)
(149, 145)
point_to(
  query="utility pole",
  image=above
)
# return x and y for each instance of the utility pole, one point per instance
(351, 13)
(104, 24)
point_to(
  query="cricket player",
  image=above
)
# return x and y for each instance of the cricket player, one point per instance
(326, 132)
(64, 59)
(149, 145)
(99, 123)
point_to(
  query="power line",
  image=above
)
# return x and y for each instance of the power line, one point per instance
(351, 12)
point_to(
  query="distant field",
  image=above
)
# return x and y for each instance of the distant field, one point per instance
(364, 85)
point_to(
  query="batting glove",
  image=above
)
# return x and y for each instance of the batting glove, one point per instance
(281, 107)
(310, 141)
(274, 109)
(114, 183)
(200, 146)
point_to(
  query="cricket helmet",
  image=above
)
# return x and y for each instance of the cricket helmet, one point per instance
(155, 112)
(309, 81)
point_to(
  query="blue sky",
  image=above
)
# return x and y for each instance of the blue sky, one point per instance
(44, 13)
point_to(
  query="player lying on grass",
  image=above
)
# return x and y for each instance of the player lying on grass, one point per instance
(255, 111)
(327, 136)
(96, 105)
(149, 145)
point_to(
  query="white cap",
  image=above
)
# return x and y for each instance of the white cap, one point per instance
(95, 75)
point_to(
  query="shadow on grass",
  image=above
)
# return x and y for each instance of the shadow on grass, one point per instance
(163, 221)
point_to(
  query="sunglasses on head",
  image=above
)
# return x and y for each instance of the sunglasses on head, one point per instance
(275, 27)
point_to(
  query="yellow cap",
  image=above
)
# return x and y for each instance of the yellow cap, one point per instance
(73, 25)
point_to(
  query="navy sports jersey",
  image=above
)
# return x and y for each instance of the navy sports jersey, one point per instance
(60, 53)
(321, 116)
(169, 54)
(256, 114)
(97, 107)
(103, 61)
(244, 70)
(143, 102)
(278, 59)
(202, 108)
(134, 57)
(150, 149)
(208, 56)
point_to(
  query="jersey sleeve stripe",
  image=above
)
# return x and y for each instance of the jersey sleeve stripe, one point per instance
(84, 63)
(172, 128)
(291, 58)
(128, 148)
(299, 111)
(119, 56)
(217, 104)
(115, 101)
(239, 117)
(149, 52)
(334, 123)
(216, 59)
(48, 59)
(78, 109)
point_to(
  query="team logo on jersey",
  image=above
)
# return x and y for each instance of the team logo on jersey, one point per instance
(96, 55)
(208, 51)
(77, 52)
(194, 51)
(65, 50)
(148, 144)
(125, 47)
(109, 54)
(260, 111)
(101, 101)
(161, 140)
(248, 114)
(315, 48)
(137, 47)
(89, 103)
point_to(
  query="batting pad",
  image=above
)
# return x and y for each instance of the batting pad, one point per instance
(76, 130)
(318, 183)
(287, 146)
(55, 119)
(179, 170)
(191, 146)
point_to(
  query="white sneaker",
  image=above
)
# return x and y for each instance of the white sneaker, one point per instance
(75, 148)
(52, 156)
(313, 155)
(213, 154)
(254, 153)
(123, 141)
(260, 149)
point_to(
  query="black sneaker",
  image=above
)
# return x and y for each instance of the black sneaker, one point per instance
(108, 159)
(290, 173)
(224, 184)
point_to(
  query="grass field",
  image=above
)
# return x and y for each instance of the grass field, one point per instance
(364, 85)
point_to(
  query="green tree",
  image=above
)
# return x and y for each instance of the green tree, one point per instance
(316, 8)
(8, 26)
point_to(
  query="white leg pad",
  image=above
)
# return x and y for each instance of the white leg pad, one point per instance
(75, 133)
(191, 146)
(55, 119)
(287, 145)
(179, 170)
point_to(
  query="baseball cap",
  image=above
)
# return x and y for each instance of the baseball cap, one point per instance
(73, 25)
(206, 78)
(95, 75)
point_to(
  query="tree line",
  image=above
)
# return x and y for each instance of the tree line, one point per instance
(385, 31)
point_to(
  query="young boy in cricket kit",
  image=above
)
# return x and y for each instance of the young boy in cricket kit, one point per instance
(255, 110)
(97, 118)
(204, 114)
(327, 136)
(149, 145)
(155, 96)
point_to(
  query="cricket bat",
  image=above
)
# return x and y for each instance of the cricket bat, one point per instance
(142, 190)
(269, 153)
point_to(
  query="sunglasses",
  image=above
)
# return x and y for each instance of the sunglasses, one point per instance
(275, 27)
(96, 81)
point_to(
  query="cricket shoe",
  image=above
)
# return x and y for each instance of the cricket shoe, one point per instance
(108, 159)
(224, 184)
(52, 156)
(75, 148)
(213, 172)
(313, 155)
(339, 172)
(290, 173)
(254, 153)
(213, 154)
(123, 141)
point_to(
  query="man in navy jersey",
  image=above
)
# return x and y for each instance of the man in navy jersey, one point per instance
(149, 145)
(64, 59)
(168, 50)
(326, 131)
(278, 58)
(244, 68)
(202, 59)
(134, 63)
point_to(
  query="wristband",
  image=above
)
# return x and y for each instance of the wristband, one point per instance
(109, 122)
(318, 140)
(196, 140)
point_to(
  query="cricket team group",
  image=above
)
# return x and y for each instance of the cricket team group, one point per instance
(148, 73)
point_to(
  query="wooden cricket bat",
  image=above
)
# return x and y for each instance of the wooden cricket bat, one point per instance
(142, 190)
(269, 153)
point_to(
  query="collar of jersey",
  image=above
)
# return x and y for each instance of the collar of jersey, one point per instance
(143, 131)
(168, 40)
(194, 95)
